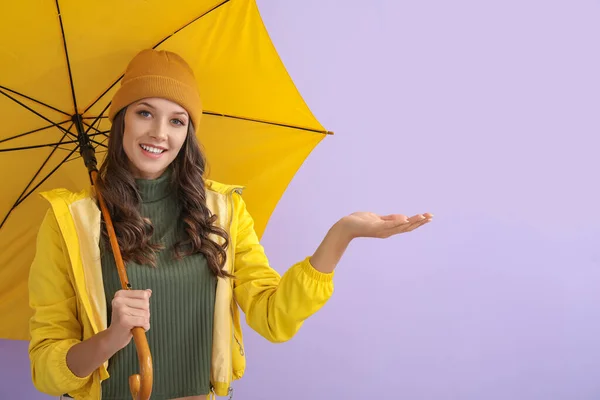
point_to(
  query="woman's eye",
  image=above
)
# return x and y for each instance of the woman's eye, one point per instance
(144, 113)
(178, 122)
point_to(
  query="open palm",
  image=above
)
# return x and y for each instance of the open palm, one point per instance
(368, 224)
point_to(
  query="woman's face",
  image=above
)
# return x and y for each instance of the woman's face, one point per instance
(155, 130)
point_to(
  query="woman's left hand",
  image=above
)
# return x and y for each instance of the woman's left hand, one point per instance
(367, 224)
(361, 224)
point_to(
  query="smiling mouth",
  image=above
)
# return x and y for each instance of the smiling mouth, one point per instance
(153, 150)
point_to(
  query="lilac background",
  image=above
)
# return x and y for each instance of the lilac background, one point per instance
(483, 113)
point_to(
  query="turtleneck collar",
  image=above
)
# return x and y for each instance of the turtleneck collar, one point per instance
(152, 190)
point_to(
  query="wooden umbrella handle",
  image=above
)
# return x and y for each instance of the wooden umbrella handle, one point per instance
(139, 384)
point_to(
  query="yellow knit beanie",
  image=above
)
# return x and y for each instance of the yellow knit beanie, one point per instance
(159, 73)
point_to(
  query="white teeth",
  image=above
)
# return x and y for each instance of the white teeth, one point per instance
(151, 149)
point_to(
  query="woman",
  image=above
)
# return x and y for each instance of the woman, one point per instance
(191, 251)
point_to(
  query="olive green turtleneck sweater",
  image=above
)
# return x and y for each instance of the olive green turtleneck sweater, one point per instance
(181, 307)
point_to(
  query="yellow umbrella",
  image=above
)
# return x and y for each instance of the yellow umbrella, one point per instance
(60, 63)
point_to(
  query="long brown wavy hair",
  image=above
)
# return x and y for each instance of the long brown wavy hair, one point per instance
(134, 232)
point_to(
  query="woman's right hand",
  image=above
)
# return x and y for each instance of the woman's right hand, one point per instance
(130, 309)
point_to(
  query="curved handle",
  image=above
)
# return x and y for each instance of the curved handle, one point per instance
(139, 384)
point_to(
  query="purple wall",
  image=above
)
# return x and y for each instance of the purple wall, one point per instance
(484, 113)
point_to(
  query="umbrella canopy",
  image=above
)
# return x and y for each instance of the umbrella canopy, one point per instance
(60, 63)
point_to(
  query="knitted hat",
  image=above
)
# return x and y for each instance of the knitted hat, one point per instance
(158, 73)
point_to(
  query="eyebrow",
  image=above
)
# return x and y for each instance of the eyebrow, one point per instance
(154, 108)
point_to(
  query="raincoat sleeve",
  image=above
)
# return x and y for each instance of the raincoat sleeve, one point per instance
(275, 306)
(54, 327)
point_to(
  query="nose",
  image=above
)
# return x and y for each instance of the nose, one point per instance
(159, 130)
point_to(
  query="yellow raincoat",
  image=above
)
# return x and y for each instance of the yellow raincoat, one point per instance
(67, 294)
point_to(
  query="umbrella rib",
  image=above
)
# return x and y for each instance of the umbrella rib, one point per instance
(33, 131)
(23, 198)
(98, 132)
(96, 120)
(78, 157)
(268, 122)
(191, 22)
(34, 100)
(154, 47)
(102, 95)
(101, 144)
(33, 111)
(64, 40)
(91, 126)
(38, 146)
(40, 169)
